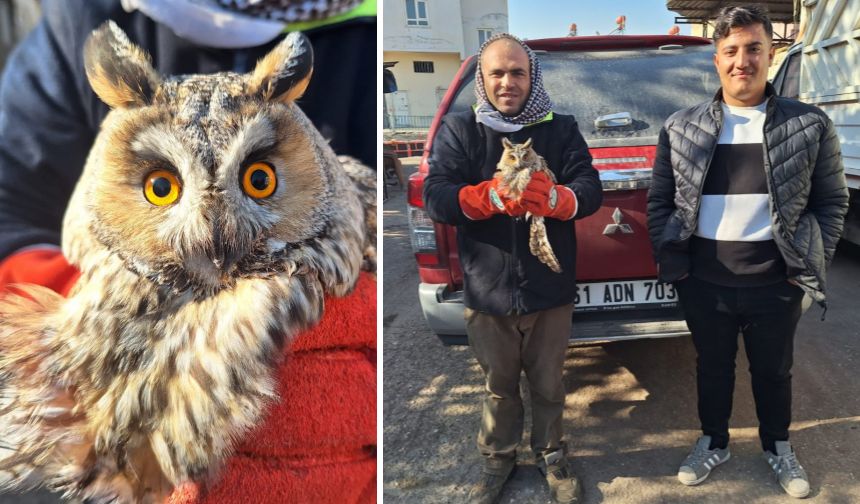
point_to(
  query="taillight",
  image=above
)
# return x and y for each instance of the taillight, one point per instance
(421, 230)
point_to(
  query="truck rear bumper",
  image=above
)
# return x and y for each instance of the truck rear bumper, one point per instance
(443, 311)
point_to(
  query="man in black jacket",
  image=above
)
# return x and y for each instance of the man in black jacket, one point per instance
(518, 311)
(746, 207)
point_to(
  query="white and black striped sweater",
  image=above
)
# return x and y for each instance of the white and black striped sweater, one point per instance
(733, 242)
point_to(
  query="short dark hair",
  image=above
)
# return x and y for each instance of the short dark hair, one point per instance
(738, 16)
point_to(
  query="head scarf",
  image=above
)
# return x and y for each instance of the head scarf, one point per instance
(537, 106)
(234, 24)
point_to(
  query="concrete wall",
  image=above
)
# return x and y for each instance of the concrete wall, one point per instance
(443, 34)
(492, 14)
(422, 90)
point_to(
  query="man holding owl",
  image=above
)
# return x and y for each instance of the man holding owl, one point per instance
(518, 311)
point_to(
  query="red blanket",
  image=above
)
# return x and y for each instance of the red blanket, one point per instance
(318, 445)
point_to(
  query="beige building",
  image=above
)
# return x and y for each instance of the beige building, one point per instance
(429, 40)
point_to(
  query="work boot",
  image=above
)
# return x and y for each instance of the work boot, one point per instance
(563, 484)
(495, 474)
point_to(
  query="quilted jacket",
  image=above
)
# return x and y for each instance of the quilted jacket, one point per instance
(805, 180)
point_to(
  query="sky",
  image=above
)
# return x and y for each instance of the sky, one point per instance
(545, 18)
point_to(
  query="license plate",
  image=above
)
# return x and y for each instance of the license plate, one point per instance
(622, 295)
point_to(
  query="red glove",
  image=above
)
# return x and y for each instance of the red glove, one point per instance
(482, 201)
(513, 208)
(41, 266)
(545, 199)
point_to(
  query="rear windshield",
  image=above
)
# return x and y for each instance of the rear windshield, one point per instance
(651, 84)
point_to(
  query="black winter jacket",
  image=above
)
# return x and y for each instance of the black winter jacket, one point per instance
(501, 276)
(805, 180)
(49, 115)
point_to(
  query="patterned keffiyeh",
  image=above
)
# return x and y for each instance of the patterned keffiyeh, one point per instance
(537, 106)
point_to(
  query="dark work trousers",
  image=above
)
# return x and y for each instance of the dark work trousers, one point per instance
(506, 345)
(767, 317)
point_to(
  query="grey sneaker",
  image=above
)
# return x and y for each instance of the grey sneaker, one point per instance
(493, 477)
(563, 484)
(788, 470)
(699, 463)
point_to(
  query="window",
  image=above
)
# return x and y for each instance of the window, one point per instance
(422, 66)
(483, 35)
(791, 84)
(416, 13)
(593, 83)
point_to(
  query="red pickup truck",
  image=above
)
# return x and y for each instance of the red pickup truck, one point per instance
(621, 89)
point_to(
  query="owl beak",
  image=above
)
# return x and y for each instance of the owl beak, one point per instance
(223, 254)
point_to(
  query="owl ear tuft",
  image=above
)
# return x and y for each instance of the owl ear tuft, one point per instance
(283, 74)
(528, 143)
(119, 72)
(507, 143)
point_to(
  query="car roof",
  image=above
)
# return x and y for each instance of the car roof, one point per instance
(613, 42)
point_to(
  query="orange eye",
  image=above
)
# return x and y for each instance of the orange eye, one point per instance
(161, 188)
(259, 180)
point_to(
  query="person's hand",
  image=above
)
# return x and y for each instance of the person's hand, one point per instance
(513, 207)
(482, 201)
(793, 282)
(543, 198)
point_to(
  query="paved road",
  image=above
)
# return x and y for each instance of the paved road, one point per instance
(630, 411)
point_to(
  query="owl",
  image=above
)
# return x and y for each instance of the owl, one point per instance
(209, 222)
(514, 171)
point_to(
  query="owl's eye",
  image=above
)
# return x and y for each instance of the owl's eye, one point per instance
(161, 188)
(259, 180)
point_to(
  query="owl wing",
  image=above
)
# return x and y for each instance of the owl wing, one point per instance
(44, 438)
(364, 181)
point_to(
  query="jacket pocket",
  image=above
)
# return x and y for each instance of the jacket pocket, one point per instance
(808, 244)
(673, 256)
(671, 231)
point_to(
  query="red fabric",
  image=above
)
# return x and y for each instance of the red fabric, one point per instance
(513, 208)
(536, 198)
(475, 200)
(46, 267)
(318, 444)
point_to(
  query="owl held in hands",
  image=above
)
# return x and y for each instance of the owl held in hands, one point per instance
(210, 221)
(514, 171)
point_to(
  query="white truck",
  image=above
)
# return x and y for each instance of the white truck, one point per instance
(823, 68)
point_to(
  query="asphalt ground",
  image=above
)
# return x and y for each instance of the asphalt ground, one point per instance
(630, 413)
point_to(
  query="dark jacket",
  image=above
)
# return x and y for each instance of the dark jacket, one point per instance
(49, 115)
(501, 275)
(805, 180)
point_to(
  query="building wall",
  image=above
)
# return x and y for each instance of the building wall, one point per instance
(443, 34)
(422, 90)
(450, 37)
(492, 14)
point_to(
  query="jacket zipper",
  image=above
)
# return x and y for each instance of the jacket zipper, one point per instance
(515, 290)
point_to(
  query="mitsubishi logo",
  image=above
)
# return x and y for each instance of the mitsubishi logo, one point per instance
(617, 226)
